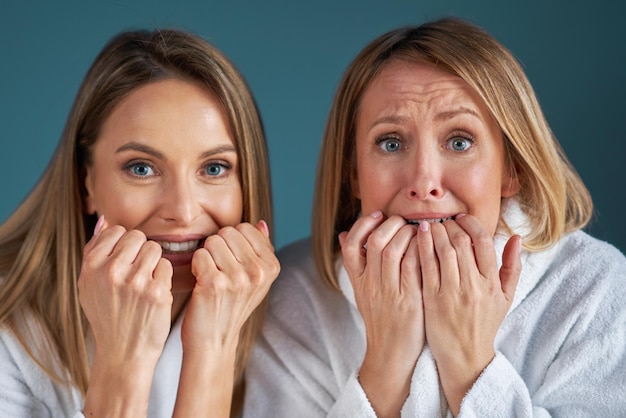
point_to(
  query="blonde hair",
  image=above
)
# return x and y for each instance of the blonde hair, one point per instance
(41, 242)
(552, 194)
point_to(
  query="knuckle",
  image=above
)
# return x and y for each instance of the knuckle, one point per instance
(483, 240)
(376, 241)
(213, 240)
(135, 234)
(461, 239)
(447, 252)
(392, 252)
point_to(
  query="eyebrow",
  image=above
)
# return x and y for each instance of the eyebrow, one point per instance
(147, 149)
(440, 116)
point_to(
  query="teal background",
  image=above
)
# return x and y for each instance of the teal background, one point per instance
(293, 53)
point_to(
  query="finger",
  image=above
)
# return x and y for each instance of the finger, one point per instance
(262, 226)
(100, 225)
(202, 263)
(354, 240)
(220, 253)
(429, 264)
(254, 240)
(128, 246)
(393, 258)
(101, 246)
(411, 277)
(163, 272)
(382, 257)
(464, 252)
(446, 254)
(482, 242)
(511, 266)
(147, 259)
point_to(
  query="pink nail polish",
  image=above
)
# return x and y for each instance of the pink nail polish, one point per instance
(99, 224)
(424, 226)
(266, 228)
(376, 214)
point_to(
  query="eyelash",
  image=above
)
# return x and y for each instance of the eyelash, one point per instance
(224, 166)
(129, 167)
(136, 163)
(384, 139)
(455, 136)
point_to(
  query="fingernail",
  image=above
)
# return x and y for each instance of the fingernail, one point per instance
(265, 228)
(341, 237)
(99, 224)
(460, 215)
(424, 226)
(519, 246)
(377, 214)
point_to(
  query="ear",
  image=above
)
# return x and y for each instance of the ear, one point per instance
(510, 183)
(89, 204)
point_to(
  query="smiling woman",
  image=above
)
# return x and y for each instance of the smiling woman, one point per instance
(133, 277)
(165, 163)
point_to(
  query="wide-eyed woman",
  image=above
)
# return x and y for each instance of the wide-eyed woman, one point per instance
(447, 273)
(133, 275)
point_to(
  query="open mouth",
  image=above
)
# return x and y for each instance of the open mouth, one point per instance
(440, 220)
(170, 247)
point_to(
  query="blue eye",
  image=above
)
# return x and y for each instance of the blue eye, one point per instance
(141, 169)
(459, 143)
(215, 169)
(389, 144)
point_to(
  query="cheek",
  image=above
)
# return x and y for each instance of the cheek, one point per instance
(226, 206)
(482, 194)
(377, 188)
(127, 208)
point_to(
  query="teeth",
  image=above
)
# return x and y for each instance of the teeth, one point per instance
(418, 221)
(178, 247)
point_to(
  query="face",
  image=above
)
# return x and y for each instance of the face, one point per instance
(165, 163)
(427, 148)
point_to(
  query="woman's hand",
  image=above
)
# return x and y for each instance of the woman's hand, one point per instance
(125, 292)
(387, 288)
(465, 298)
(233, 273)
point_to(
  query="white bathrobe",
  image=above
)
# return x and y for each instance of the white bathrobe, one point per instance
(561, 350)
(27, 392)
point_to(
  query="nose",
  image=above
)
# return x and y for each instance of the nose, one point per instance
(425, 175)
(181, 202)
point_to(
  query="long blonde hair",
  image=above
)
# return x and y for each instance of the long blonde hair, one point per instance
(552, 194)
(41, 242)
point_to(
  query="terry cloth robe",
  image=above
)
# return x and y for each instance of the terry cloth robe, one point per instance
(27, 392)
(560, 351)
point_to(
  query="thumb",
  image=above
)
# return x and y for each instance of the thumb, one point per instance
(511, 266)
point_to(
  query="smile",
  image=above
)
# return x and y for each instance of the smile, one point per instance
(440, 220)
(170, 247)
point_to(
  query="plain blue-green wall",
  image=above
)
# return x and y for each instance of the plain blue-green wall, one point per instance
(293, 54)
